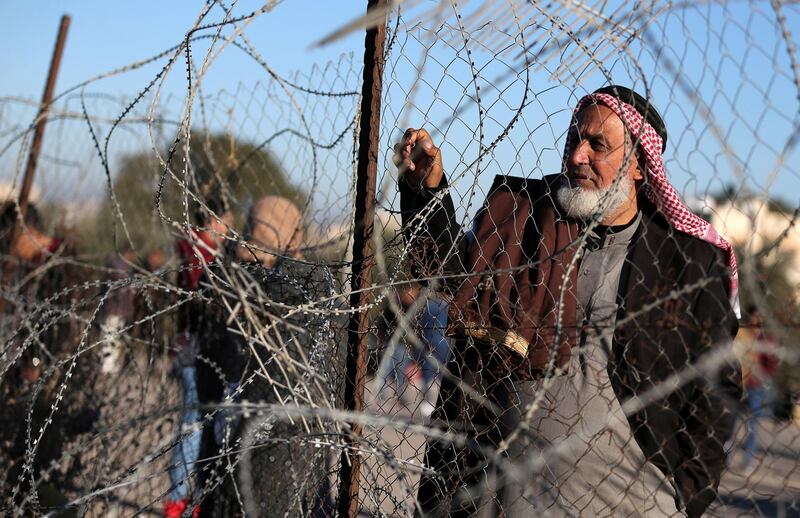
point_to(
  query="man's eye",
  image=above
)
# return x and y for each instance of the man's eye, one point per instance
(598, 146)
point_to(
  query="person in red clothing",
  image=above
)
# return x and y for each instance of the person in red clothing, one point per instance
(760, 364)
(198, 250)
(33, 273)
(31, 244)
(31, 248)
(201, 246)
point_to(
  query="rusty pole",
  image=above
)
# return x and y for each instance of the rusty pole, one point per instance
(47, 98)
(366, 174)
(36, 144)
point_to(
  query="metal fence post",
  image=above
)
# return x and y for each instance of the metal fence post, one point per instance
(36, 144)
(366, 174)
(47, 98)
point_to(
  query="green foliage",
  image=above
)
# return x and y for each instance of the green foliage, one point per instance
(220, 167)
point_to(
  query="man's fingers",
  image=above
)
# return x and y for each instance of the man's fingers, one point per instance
(425, 148)
(416, 153)
(423, 140)
(423, 144)
(402, 157)
(398, 157)
(419, 139)
(423, 134)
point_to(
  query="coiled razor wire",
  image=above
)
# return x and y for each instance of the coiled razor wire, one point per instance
(494, 83)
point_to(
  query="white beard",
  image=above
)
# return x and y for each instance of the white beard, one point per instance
(581, 203)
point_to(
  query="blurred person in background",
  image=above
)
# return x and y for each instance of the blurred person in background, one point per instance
(118, 311)
(757, 353)
(200, 249)
(32, 247)
(274, 232)
(414, 361)
(396, 365)
(436, 349)
(258, 350)
(156, 259)
(38, 309)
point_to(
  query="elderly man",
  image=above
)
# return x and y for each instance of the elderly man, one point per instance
(580, 294)
(267, 353)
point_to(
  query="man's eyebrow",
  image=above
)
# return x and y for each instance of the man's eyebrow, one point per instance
(593, 135)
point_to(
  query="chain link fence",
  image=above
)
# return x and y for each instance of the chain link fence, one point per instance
(178, 325)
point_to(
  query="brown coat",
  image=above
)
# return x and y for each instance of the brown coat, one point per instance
(523, 280)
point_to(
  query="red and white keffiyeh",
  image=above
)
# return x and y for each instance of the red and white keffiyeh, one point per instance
(659, 190)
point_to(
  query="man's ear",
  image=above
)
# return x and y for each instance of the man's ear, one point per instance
(637, 173)
(641, 166)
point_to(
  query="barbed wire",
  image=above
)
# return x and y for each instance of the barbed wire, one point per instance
(175, 331)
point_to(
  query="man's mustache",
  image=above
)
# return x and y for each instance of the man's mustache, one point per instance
(580, 172)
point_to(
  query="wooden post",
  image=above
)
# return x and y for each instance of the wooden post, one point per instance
(366, 174)
(47, 98)
(36, 144)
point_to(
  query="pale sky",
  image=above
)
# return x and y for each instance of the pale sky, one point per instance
(731, 57)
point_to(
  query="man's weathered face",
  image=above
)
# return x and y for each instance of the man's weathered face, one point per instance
(601, 150)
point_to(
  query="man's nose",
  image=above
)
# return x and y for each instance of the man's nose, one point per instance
(580, 154)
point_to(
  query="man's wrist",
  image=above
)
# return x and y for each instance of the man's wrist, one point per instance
(424, 185)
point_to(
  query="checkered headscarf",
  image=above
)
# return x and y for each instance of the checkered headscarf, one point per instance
(658, 189)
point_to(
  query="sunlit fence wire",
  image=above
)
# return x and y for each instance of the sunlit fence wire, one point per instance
(184, 339)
